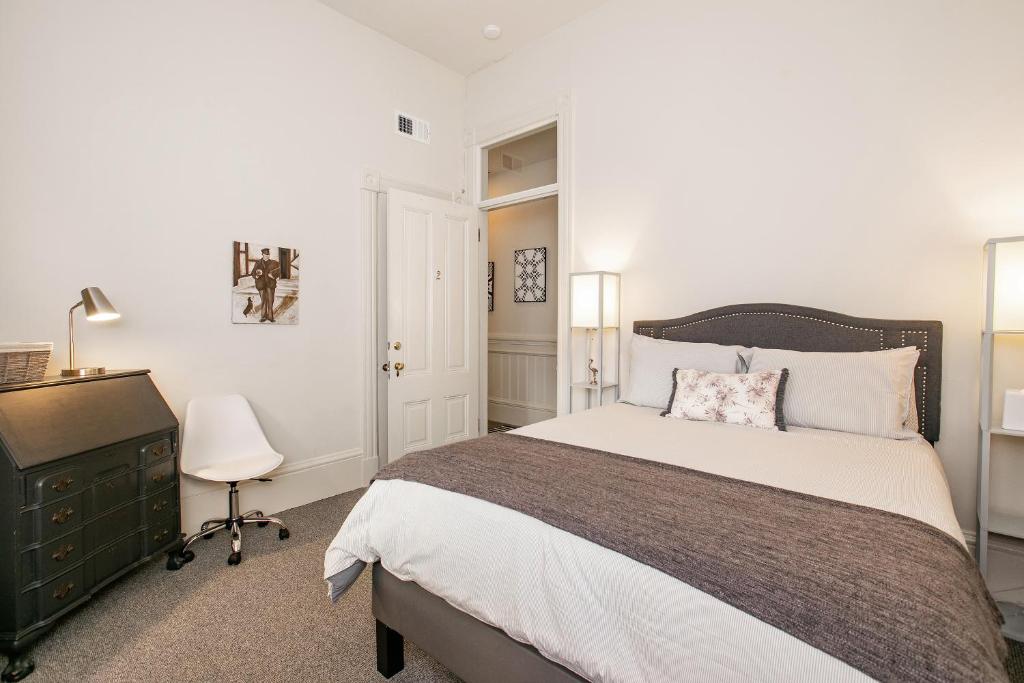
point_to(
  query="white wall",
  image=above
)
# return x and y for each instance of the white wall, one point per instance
(523, 226)
(138, 138)
(851, 156)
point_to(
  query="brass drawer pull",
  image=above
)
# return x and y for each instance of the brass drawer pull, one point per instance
(62, 591)
(159, 477)
(157, 507)
(162, 535)
(63, 484)
(62, 553)
(62, 515)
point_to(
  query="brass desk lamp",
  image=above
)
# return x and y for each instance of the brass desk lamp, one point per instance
(97, 308)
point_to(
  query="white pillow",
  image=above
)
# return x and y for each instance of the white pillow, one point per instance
(652, 362)
(866, 392)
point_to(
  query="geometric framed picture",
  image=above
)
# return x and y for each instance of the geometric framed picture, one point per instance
(531, 278)
(490, 286)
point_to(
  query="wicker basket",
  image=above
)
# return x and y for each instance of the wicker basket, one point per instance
(24, 362)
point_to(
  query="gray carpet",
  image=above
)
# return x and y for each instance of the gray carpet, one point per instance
(268, 619)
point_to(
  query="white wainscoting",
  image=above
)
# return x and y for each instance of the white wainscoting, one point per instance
(521, 378)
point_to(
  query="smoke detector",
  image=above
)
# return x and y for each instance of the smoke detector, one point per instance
(492, 32)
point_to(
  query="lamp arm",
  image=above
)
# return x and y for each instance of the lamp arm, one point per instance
(71, 336)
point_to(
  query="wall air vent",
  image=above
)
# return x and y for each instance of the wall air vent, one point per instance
(511, 163)
(412, 127)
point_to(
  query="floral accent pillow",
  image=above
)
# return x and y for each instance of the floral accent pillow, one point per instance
(753, 399)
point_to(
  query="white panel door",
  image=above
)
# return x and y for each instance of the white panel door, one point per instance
(433, 311)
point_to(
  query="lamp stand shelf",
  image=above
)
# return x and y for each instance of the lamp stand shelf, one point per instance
(1004, 268)
(593, 338)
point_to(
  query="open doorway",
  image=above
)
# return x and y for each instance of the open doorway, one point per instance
(519, 192)
(522, 318)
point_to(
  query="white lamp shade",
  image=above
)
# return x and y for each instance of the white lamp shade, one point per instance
(586, 292)
(1008, 294)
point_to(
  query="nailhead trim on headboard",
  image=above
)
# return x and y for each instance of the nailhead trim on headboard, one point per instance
(925, 335)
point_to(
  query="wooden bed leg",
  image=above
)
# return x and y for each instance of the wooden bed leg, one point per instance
(390, 651)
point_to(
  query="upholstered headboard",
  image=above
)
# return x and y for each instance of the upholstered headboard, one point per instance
(798, 328)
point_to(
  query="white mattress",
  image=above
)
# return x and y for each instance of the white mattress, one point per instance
(601, 614)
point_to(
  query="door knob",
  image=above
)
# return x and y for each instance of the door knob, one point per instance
(399, 366)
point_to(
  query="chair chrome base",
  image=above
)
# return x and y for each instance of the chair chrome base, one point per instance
(176, 559)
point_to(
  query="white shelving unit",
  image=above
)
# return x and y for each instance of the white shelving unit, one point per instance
(1004, 302)
(594, 338)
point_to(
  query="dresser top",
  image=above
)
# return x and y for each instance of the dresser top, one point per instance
(45, 421)
(53, 380)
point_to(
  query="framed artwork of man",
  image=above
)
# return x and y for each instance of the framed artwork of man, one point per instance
(265, 287)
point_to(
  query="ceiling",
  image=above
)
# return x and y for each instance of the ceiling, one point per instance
(450, 31)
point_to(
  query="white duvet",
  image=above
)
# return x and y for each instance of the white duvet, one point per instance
(601, 614)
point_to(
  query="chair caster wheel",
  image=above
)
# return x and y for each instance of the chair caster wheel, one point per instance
(262, 524)
(18, 668)
(234, 558)
(177, 560)
(283, 534)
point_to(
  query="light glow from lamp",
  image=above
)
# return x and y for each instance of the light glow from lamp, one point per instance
(1008, 294)
(586, 291)
(97, 306)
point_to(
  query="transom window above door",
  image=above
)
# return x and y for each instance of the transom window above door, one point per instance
(523, 164)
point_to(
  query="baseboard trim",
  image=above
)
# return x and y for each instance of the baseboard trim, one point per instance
(512, 403)
(294, 484)
(517, 413)
(370, 468)
(1008, 545)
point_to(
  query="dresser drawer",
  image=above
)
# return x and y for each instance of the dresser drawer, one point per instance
(58, 593)
(53, 596)
(158, 505)
(114, 558)
(53, 520)
(109, 462)
(157, 450)
(160, 475)
(111, 525)
(45, 561)
(119, 485)
(162, 531)
(47, 486)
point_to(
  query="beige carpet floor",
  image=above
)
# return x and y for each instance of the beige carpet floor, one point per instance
(268, 619)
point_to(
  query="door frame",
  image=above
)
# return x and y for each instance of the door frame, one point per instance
(373, 209)
(560, 113)
(373, 202)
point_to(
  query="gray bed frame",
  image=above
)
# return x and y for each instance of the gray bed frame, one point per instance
(475, 651)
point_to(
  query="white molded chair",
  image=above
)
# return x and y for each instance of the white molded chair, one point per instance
(223, 442)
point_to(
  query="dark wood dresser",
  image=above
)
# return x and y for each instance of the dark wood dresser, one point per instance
(88, 491)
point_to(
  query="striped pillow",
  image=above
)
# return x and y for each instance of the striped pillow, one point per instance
(867, 392)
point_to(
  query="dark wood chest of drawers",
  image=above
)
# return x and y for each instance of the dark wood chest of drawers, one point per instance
(88, 491)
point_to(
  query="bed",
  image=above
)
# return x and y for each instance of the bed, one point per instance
(498, 595)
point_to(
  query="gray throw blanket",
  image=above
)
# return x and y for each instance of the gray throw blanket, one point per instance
(892, 596)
